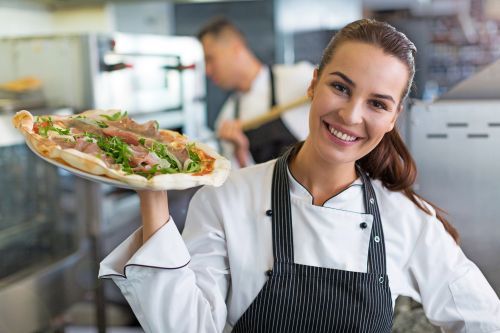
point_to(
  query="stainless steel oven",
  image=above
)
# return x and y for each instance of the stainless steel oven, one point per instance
(150, 76)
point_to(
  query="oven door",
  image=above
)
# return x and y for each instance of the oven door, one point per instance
(139, 83)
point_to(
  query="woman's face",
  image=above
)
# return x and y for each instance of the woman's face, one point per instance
(355, 101)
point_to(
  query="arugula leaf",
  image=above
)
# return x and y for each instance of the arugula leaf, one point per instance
(168, 170)
(61, 131)
(192, 154)
(148, 173)
(116, 116)
(115, 148)
(193, 167)
(162, 152)
(91, 135)
(46, 125)
(101, 124)
(195, 164)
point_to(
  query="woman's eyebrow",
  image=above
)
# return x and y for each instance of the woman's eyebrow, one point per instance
(387, 97)
(344, 77)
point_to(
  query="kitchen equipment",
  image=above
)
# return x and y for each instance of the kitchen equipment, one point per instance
(150, 77)
(21, 94)
(455, 145)
(41, 246)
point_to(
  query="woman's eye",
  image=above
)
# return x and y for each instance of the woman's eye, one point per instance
(379, 105)
(341, 88)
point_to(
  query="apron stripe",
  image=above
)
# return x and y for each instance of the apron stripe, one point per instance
(301, 298)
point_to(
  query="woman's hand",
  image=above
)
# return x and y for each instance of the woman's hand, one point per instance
(154, 211)
(230, 130)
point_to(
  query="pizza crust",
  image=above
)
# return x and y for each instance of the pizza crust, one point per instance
(24, 120)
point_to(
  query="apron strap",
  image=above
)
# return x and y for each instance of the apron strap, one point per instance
(282, 212)
(236, 97)
(273, 87)
(376, 249)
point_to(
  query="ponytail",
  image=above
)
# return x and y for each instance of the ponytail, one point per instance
(392, 164)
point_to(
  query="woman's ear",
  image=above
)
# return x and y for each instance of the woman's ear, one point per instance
(312, 85)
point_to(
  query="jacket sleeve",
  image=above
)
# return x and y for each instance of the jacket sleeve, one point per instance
(174, 284)
(453, 291)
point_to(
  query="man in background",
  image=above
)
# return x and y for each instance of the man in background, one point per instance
(232, 66)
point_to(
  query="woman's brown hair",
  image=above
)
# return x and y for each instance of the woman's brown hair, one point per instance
(390, 161)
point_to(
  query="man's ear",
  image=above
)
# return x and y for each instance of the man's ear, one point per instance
(312, 85)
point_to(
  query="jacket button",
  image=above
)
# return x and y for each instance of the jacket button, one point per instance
(269, 272)
(381, 279)
(363, 225)
(269, 212)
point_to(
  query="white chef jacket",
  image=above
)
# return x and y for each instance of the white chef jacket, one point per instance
(205, 280)
(290, 82)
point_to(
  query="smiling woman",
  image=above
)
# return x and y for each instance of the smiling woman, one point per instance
(352, 108)
(323, 239)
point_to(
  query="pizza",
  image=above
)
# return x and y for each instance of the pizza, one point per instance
(111, 144)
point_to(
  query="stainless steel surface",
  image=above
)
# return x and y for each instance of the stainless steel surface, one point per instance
(44, 257)
(483, 85)
(32, 215)
(456, 147)
(29, 303)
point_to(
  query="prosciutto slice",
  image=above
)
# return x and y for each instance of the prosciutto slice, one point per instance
(128, 137)
(142, 156)
(148, 129)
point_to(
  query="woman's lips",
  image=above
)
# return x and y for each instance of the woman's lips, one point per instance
(340, 135)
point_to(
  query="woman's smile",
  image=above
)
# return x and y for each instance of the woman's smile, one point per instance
(340, 135)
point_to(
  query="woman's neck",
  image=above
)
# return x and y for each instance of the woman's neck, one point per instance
(322, 179)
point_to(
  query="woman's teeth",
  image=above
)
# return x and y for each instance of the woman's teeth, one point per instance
(340, 135)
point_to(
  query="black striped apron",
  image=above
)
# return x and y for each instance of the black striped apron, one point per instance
(300, 298)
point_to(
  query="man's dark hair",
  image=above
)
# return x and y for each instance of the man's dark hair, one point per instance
(217, 26)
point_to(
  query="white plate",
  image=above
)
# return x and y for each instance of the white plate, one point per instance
(86, 175)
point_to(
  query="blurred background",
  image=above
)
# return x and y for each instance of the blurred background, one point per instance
(67, 56)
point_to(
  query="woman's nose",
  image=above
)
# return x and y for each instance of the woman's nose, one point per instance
(351, 113)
